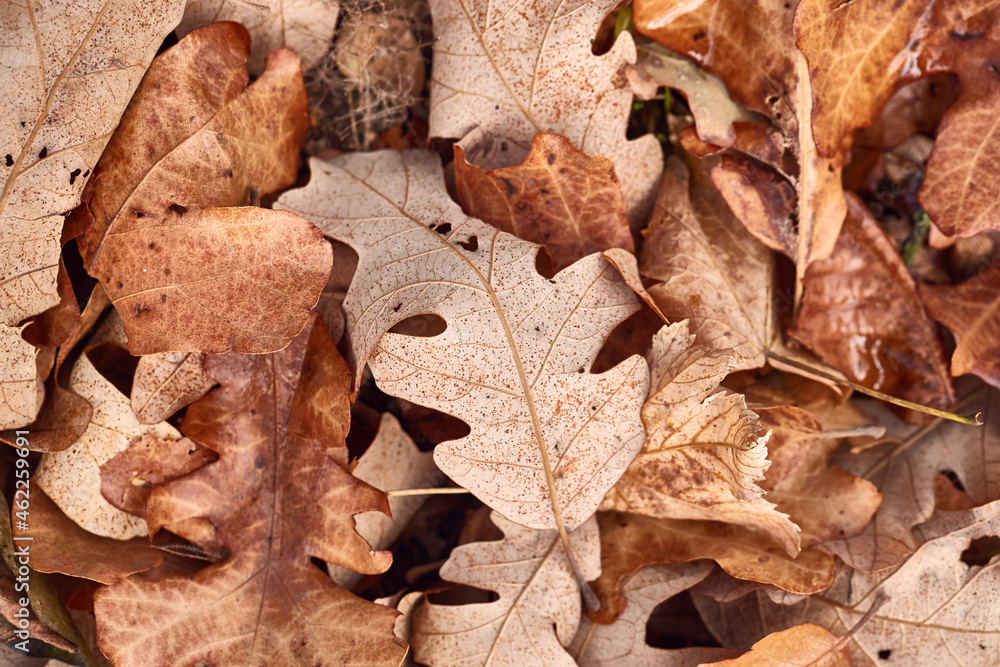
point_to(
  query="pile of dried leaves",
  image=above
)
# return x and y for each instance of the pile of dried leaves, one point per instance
(628, 330)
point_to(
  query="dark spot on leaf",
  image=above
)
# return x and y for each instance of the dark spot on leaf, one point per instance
(503, 146)
(140, 309)
(443, 229)
(191, 118)
(253, 412)
(43, 153)
(773, 99)
(151, 245)
(178, 209)
(551, 158)
(563, 170)
(228, 173)
(496, 107)
(218, 136)
(152, 151)
(396, 308)
(72, 175)
(965, 35)
(166, 272)
(829, 168)
(884, 654)
(86, 173)
(699, 35)
(472, 245)
(259, 462)
(10, 160)
(580, 370)
(22, 123)
(543, 191)
(510, 186)
(593, 408)
(163, 298)
(119, 284)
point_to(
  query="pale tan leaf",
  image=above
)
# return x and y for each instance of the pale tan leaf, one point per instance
(539, 608)
(711, 271)
(624, 641)
(545, 80)
(304, 26)
(166, 382)
(72, 477)
(802, 645)
(21, 388)
(391, 462)
(57, 58)
(937, 610)
(701, 458)
(514, 359)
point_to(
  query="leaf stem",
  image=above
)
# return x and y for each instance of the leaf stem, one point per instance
(426, 492)
(810, 368)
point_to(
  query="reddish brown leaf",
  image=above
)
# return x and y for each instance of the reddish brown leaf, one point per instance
(59, 545)
(630, 542)
(194, 279)
(762, 200)
(128, 479)
(823, 500)
(861, 314)
(972, 311)
(560, 197)
(274, 499)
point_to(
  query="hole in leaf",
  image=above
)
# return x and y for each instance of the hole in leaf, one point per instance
(461, 595)
(115, 364)
(472, 245)
(884, 654)
(443, 229)
(981, 550)
(426, 325)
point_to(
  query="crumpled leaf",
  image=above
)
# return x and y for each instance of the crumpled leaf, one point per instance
(206, 279)
(971, 310)
(539, 608)
(935, 605)
(273, 499)
(21, 387)
(559, 197)
(513, 360)
(751, 47)
(805, 644)
(710, 270)
(59, 545)
(303, 26)
(166, 382)
(624, 641)
(861, 314)
(54, 133)
(823, 500)
(72, 477)
(547, 80)
(390, 463)
(630, 542)
(701, 458)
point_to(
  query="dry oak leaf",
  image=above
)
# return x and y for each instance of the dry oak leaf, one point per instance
(21, 388)
(59, 545)
(751, 47)
(710, 270)
(805, 644)
(72, 477)
(206, 279)
(937, 609)
(623, 643)
(303, 26)
(513, 361)
(823, 500)
(862, 315)
(57, 58)
(860, 53)
(167, 381)
(539, 608)
(546, 80)
(392, 462)
(274, 499)
(906, 480)
(630, 542)
(559, 197)
(701, 458)
(971, 310)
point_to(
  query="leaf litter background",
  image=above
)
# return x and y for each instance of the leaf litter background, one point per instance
(588, 269)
